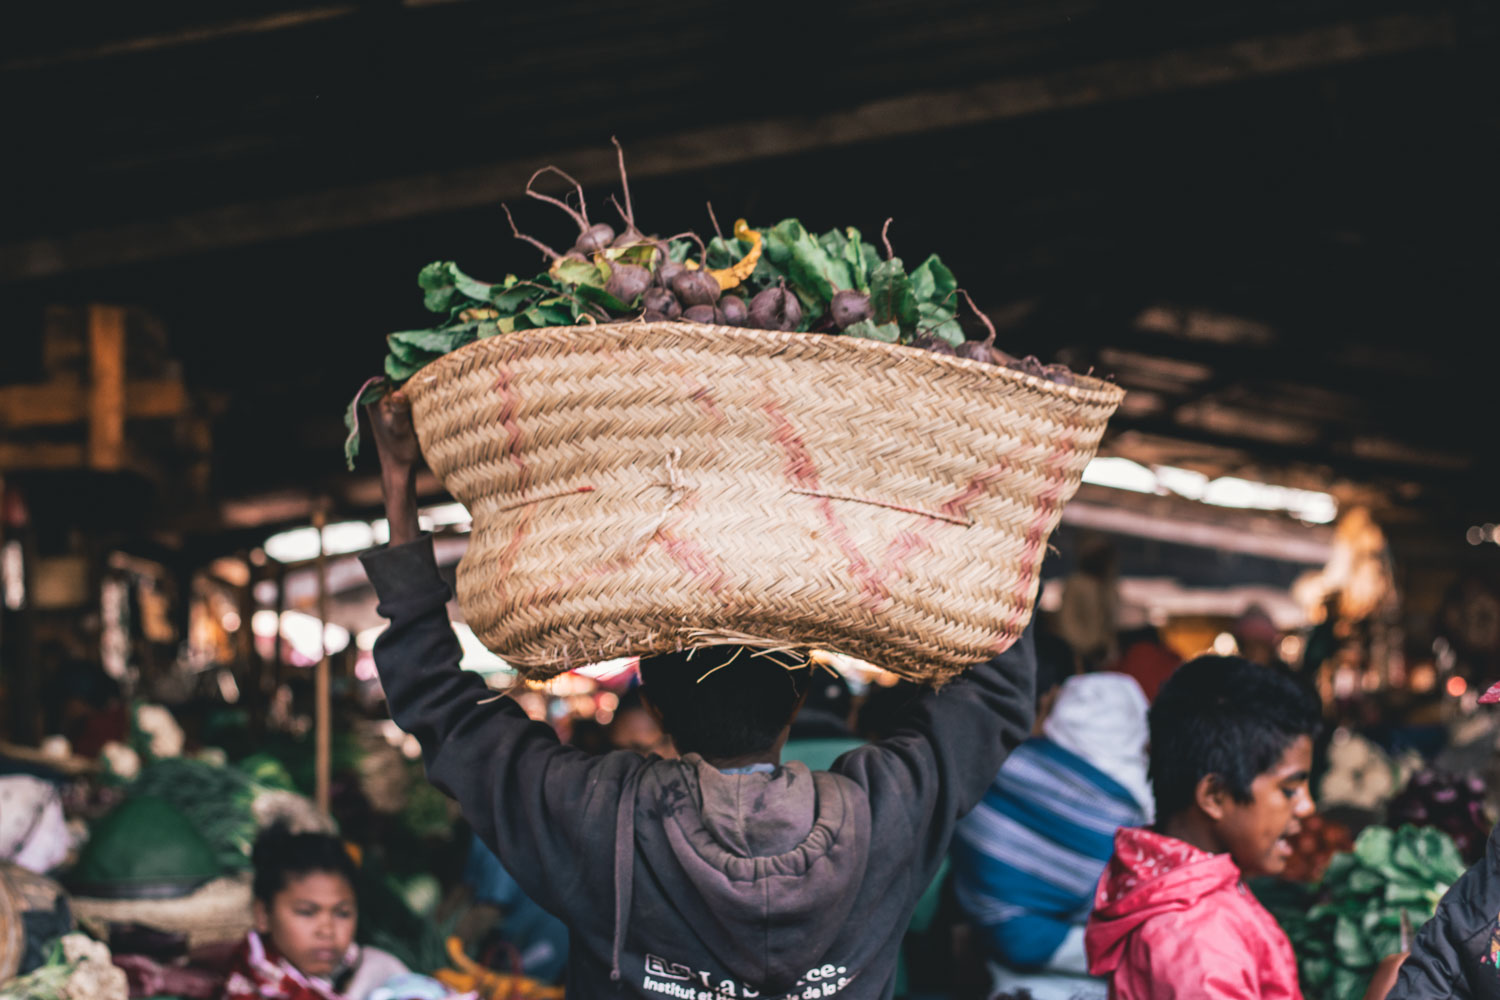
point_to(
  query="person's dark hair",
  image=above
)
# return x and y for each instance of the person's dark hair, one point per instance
(885, 709)
(1227, 716)
(281, 855)
(1055, 662)
(1143, 633)
(829, 692)
(724, 701)
(589, 736)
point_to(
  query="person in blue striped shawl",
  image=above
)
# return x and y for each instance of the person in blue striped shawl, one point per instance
(1027, 859)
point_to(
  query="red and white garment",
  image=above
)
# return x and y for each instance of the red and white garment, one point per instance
(257, 972)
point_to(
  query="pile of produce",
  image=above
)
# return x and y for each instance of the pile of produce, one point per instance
(218, 800)
(1314, 848)
(780, 277)
(1341, 928)
(1448, 803)
(467, 975)
(79, 969)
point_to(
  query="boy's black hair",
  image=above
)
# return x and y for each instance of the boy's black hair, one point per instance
(1227, 716)
(724, 701)
(281, 855)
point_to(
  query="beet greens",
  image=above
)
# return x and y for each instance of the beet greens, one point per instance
(782, 277)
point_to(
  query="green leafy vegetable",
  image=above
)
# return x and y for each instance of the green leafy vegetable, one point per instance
(866, 329)
(891, 298)
(814, 267)
(1352, 919)
(933, 282)
(216, 799)
(935, 321)
(368, 393)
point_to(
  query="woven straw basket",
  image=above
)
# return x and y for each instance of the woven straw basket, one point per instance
(645, 487)
(218, 912)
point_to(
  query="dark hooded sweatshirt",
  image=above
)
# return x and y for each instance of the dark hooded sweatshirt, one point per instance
(678, 880)
(1457, 953)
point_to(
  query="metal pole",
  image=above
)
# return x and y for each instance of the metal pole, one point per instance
(324, 717)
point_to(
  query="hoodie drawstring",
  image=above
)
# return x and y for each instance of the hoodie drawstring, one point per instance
(624, 864)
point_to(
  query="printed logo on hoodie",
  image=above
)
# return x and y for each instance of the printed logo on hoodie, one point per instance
(674, 979)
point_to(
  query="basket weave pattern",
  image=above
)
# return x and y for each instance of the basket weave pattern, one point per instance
(646, 487)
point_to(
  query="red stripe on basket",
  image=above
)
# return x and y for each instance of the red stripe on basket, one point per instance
(799, 464)
(691, 557)
(802, 471)
(514, 440)
(976, 488)
(558, 588)
(515, 437)
(507, 557)
(1034, 540)
(905, 545)
(919, 539)
(705, 399)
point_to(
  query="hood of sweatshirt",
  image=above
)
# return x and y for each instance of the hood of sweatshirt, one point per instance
(762, 868)
(1149, 875)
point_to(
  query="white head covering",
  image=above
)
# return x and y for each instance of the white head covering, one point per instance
(1102, 718)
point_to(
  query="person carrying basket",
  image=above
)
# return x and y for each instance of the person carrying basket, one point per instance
(724, 874)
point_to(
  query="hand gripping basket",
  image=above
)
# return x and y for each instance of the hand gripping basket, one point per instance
(645, 487)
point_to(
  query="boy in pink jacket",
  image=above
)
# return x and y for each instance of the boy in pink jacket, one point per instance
(1231, 747)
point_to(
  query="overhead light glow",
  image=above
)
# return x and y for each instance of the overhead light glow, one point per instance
(344, 537)
(608, 669)
(449, 513)
(300, 631)
(1478, 534)
(347, 536)
(1226, 491)
(301, 544)
(13, 575)
(1120, 474)
(365, 640)
(296, 545)
(263, 623)
(475, 656)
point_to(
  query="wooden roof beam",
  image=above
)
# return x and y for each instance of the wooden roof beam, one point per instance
(913, 114)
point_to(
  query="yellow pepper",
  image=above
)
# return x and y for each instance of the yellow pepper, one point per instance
(737, 272)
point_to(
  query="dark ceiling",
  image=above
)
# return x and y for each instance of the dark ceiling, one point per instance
(1273, 222)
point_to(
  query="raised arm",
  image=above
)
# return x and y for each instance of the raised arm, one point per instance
(525, 794)
(950, 744)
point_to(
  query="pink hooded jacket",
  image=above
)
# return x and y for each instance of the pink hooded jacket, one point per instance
(1171, 921)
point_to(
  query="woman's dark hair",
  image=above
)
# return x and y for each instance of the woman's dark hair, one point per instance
(724, 701)
(1226, 716)
(281, 855)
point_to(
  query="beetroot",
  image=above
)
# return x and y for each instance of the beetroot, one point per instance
(1060, 374)
(631, 235)
(849, 307)
(668, 270)
(696, 288)
(703, 314)
(775, 309)
(934, 345)
(662, 302)
(594, 238)
(591, 237)
(736, 312)
(627, 281)
(975, 350)
(1031, 366)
